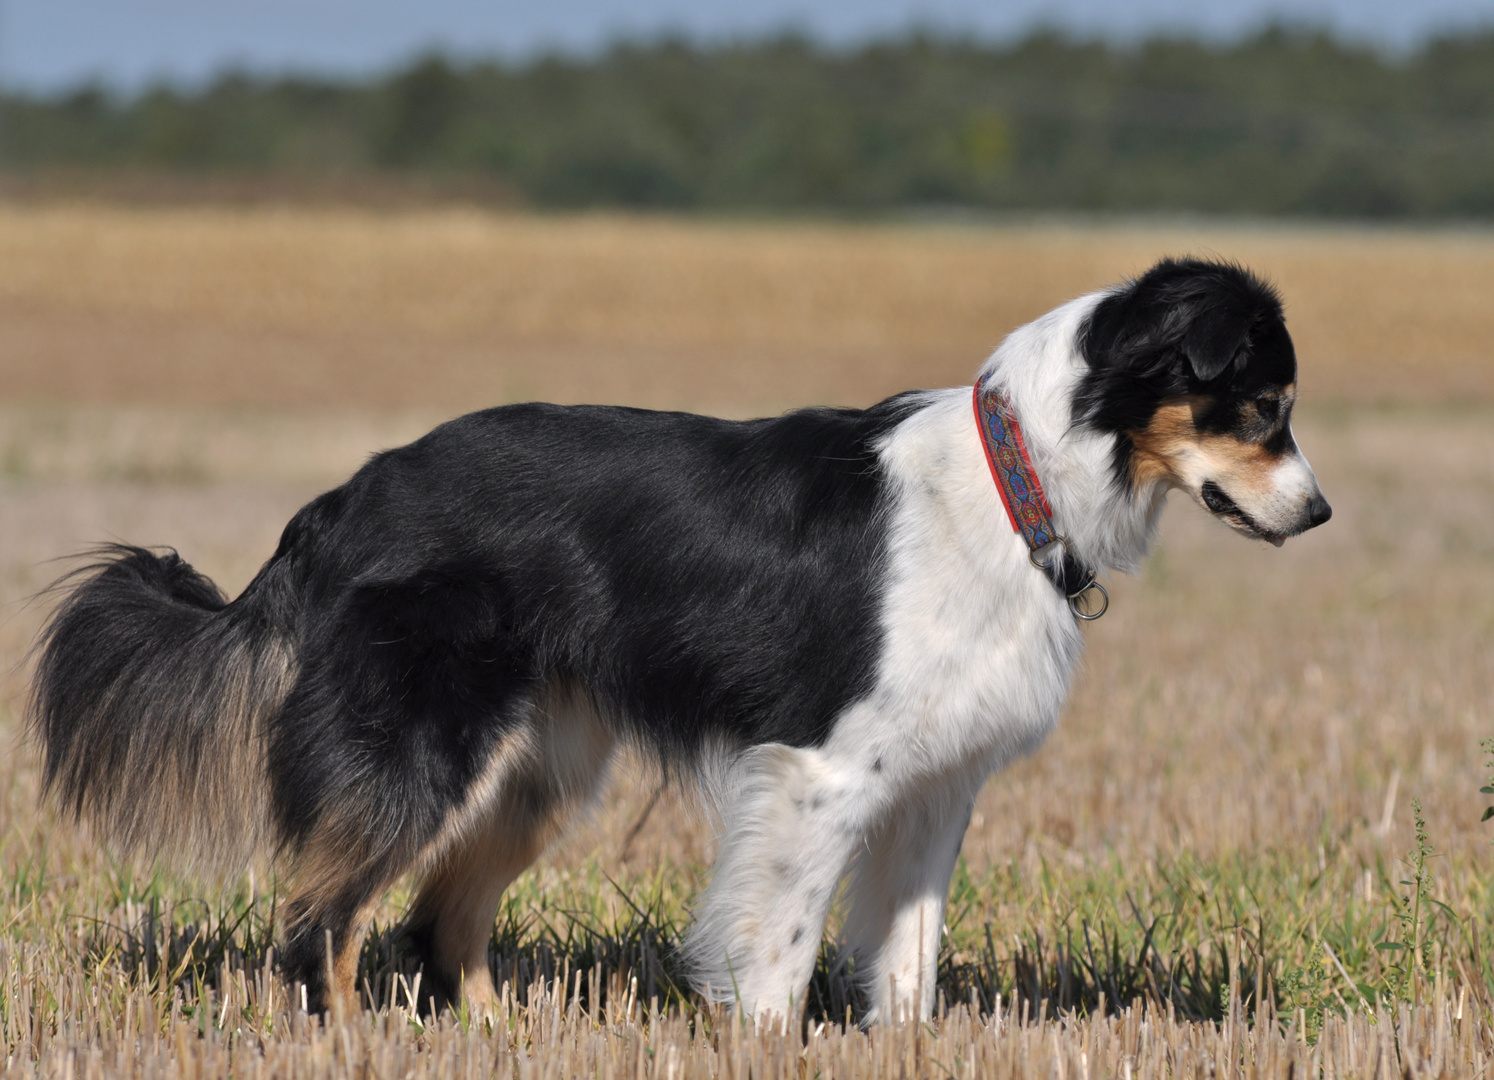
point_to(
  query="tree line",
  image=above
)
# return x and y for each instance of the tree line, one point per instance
(1282, 123)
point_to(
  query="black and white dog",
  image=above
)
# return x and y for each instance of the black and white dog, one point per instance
(827, 618)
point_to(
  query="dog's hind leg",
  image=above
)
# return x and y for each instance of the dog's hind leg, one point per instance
(360, 846)
(331, 904)
(898, 892)
(451, 920)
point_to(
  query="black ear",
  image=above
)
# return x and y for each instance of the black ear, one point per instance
(1217, 340)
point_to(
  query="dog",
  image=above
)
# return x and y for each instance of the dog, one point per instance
(839, 622)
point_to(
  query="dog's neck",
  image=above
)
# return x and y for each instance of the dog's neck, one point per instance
(1039, 367)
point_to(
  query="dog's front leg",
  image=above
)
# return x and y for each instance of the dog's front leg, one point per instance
(898, 892)
(793, 820)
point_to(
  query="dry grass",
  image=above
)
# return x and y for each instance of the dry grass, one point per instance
(1221, 777)
(1229, 791)
(451, 309)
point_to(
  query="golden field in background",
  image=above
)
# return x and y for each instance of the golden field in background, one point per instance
(1227, 800)
(451, 310)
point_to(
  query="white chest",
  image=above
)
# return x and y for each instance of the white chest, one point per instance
(978, 646)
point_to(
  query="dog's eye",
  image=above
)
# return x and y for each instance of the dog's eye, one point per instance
(1269, 407)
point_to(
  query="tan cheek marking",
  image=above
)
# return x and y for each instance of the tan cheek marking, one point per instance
(1247, 466)
(1159, 445)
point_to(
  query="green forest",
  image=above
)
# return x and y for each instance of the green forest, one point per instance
(1282, 123)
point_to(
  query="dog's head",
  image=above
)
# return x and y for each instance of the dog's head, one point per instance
(1191, 368)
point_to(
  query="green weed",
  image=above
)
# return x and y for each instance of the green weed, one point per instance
(1412, 912)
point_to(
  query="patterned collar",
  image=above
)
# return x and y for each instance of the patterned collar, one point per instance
(1026, 505)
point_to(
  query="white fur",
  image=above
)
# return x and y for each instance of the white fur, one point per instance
(978, 652)
(1279, 505)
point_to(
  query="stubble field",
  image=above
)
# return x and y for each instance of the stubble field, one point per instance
(1193, 876)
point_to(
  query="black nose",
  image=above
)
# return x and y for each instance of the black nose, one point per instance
(1318, 510)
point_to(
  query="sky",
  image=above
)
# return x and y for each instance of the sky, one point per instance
(50, 45)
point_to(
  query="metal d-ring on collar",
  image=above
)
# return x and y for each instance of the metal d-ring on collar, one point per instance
(1060, 574)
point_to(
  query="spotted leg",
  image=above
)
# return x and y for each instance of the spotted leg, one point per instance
(791, 830)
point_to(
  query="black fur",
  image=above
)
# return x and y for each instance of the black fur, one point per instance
(1212, 330)
(139, 668)
(698, 578)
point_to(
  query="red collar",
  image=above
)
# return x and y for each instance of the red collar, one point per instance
(1026, 505)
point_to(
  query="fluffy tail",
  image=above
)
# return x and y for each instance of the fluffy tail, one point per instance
(151, 699)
